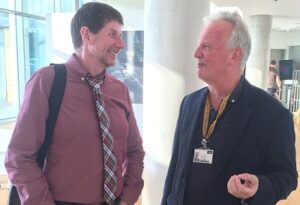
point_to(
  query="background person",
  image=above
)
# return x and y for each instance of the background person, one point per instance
(274, 83)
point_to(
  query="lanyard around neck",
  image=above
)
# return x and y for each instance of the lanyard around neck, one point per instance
(207, 131)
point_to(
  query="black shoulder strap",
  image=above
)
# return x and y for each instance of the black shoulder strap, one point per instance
(55, 99)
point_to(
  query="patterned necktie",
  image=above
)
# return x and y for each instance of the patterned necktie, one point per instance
(110, 163)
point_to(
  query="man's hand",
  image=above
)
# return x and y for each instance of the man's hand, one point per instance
(243, 185)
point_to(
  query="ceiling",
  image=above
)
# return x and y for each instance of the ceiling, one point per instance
(286, 14)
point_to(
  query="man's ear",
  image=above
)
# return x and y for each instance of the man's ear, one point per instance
(85, 35)
(236, 57)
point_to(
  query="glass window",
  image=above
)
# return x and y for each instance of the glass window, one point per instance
(34, 7)
(34, 45)
(8, 75)
(22, 52)
(4, 4)
(64, 6)
(81, 2)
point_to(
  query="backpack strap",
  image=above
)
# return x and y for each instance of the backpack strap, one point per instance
(55, 100)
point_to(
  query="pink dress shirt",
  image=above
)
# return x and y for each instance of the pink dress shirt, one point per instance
(74, 165)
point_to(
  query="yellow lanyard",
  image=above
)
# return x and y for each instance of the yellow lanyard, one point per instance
(206, 131)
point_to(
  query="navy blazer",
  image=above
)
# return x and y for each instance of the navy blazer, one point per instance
(260, 140)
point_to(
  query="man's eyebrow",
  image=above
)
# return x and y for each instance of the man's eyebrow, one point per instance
(115, 30)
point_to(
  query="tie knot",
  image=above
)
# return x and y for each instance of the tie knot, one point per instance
(94, 81)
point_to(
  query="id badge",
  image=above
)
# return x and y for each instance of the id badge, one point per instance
(203, 156)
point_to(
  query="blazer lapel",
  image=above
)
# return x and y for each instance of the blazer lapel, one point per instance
(194, 117)
(233, 127)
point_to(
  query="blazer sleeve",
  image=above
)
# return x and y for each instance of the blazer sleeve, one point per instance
(174, 157)
(281, 173)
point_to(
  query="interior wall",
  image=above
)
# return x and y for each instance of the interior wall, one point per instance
(282, 40)
(294, 54)
(125, 4)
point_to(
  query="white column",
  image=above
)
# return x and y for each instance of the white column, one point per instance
(172, 28)
(257, 67)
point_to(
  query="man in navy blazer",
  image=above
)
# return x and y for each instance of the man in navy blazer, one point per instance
(234, 143)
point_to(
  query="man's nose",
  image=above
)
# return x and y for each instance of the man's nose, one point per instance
(198, 52)
(121, 43)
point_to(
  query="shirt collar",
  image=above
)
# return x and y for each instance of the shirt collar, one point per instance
(78, 68)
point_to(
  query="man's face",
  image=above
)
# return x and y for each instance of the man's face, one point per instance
(107, 43)
(213, 53)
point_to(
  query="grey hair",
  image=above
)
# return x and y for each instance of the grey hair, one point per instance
(240, 36)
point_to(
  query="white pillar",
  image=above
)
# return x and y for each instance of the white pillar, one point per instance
(172, 28)
(257, 67)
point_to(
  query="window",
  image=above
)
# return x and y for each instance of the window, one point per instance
(8, 75)
(22, 52)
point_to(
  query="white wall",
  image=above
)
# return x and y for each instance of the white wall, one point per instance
(125, 4)
(282, 40)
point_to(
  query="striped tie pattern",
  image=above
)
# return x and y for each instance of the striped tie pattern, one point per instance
(110, 163)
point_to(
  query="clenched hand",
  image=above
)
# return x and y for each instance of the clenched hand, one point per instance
(243, 185)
